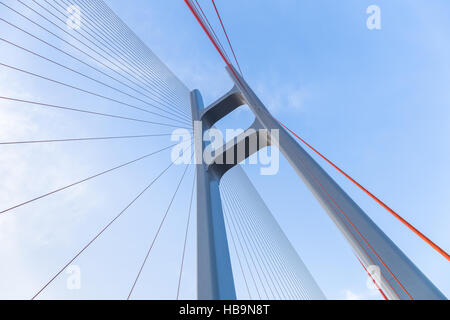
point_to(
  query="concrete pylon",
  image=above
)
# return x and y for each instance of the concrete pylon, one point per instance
(398, 277)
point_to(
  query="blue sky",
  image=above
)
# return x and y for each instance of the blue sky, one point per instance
(375, 102)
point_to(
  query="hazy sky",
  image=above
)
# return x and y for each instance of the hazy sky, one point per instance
(375, 102)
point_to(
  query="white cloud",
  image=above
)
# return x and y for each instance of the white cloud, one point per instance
(369, 294)
(296, 98)
(287, 97)
(349, 295)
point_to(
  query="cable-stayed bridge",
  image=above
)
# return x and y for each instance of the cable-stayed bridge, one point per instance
(86, 52)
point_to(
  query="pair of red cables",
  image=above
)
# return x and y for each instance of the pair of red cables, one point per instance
(381, 203)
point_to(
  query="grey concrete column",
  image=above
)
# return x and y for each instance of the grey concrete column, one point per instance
(214, 274)
(399, 278)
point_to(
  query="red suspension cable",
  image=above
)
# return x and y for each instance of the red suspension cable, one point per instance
(199, 20)
(212, 29)
(226, 35)
(385, 206)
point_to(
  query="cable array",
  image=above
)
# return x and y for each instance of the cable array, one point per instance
(101, 60)
(262, 255)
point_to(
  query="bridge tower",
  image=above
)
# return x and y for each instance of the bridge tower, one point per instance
(399, 278)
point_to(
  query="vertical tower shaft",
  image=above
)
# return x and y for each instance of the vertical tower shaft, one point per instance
(214, 274)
